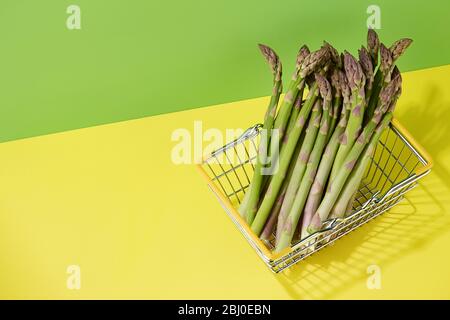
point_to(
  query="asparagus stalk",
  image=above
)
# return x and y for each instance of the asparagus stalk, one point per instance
(356, 81)
(337, 101)
(273, 218)
(300, 164)
(344, 203)
(326, 163)
(275, 64)
(337, 104)
(290, 225)
(285, 109)
(285, 158)
(244, 204)
(352, 185)
(336, 185)
(349, 208)
(331, 196)
(294, 113)
(312, 62)
(318, 186)
(274, 214)
(274, 158)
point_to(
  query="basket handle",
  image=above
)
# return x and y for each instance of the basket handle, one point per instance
(249, 133)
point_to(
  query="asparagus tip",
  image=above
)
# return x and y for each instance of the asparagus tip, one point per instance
(399, 47)
(324, 87)
(353, 71)
(301, 56)
(335, 82)
(365, 61)
(386, 61)
(345, 89)
(271, 57)
(334, 54)
(373, 45)
(314, 61)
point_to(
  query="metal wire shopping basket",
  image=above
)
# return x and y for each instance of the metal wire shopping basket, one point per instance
(396, 166)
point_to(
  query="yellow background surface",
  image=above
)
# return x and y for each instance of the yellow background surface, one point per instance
(110, 200)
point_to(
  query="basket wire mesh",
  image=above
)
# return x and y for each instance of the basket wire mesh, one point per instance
(394, 169)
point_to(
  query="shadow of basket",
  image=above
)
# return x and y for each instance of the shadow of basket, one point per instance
(412, 223)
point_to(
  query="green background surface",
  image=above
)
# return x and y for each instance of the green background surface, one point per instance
(139, 58)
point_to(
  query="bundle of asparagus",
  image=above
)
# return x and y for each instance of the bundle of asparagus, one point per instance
(326, 139)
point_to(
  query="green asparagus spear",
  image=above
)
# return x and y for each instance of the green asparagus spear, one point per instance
(244, 204)
(337, 101)
(348, 210)
(356, 81)
(351, 186)
(399, 47)
(300, 164)
(273, 218)
(275, 64)
(284, 160)
(353, 182)
(318, 187)
(274, 214)
(290, 224)
(337, 107)
(294, 113)
(285, 109)
(337, 184)
(382, 113)
(312, 62)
